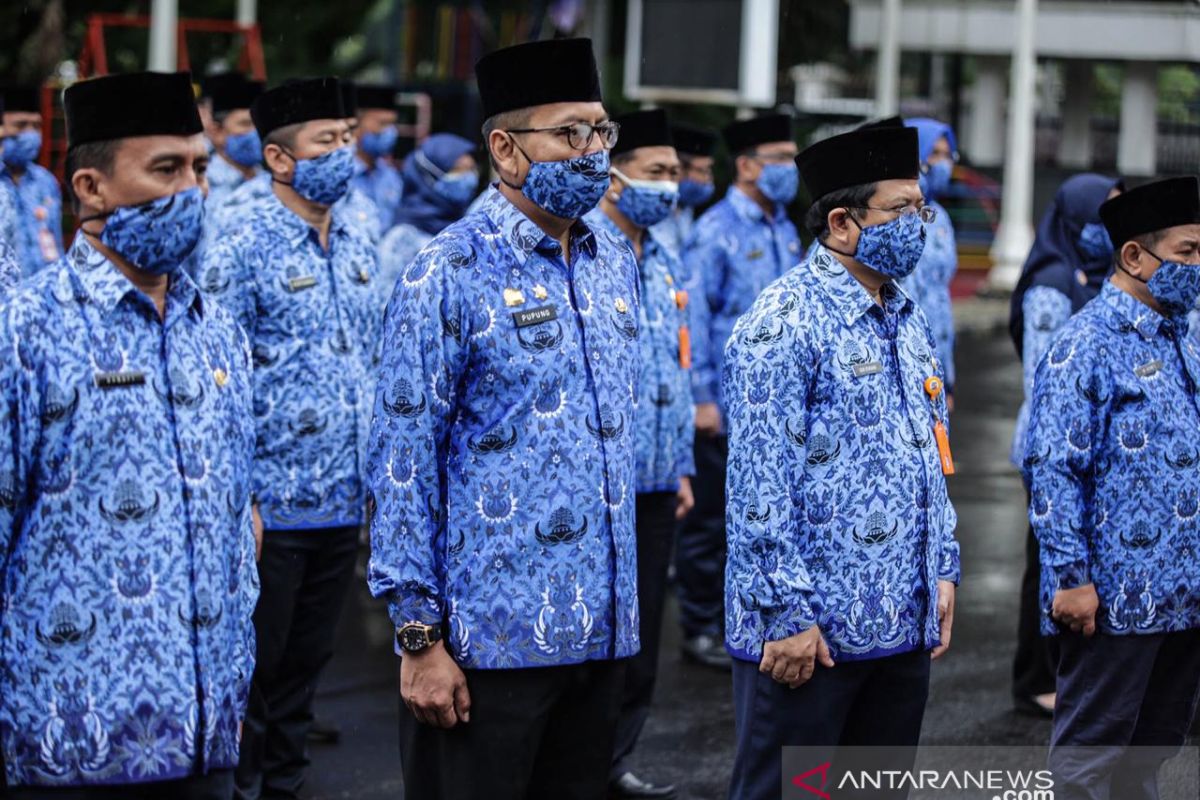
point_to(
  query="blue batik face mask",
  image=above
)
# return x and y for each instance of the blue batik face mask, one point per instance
(891, 248)
(1094, 241)
(645, 203)
(779, 182)
(22, 149)
(935, 179)
(1174, 285)
(244, 149)
(457, 188)
(567, 189)
(157, 236)
(694, 193)
(324, 179)
(381, 143)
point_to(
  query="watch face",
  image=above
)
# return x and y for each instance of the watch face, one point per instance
(413, 639)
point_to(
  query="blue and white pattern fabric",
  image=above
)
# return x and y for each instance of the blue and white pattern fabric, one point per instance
(312, 320)
(673, 232)
(502, 447)
(10, 269)
(35, 231)
(223, 180)
(837, 508)
(735, 251)
(397, 250)
(230, 214)
(359, 211)
(664, 414)
(1112, 459)
(929, 286)
(1046, 311)
(157, 236)
(568, 188)
(382, 185)
(125, 530)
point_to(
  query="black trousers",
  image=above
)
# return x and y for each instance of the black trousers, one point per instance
(305, 576)
(880, 702)
(216, 785)
(1036, 656)
(655, 529)
(700, 548)
(541, 733)
(1125, 704)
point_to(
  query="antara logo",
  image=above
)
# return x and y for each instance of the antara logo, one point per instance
(806, 780)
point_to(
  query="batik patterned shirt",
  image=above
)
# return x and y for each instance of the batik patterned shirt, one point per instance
(664, 412)
(1045, 310)
(10, 269)
(502, 448)
(223, 180)
(735, 251)
(397, 250)
(126, 638)
(312, 321)
(1113, 465)
(837, 510)
(929, 286)
(384, 187)
(36, 200)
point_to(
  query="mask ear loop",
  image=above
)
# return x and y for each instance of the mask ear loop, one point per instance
(850, 216)
(1121, 266)
(284, 150)
(520, 150)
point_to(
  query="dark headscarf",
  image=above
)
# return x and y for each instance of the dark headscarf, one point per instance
(1055, 260)
(420, 205)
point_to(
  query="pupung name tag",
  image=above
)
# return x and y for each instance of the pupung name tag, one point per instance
(535, 316)
(870, 368)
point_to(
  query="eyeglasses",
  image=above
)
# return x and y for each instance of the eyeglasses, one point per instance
(926, 214)
(580, 135)
(774, 158)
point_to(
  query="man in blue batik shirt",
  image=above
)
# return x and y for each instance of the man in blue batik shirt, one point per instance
(237, 148)
(502, 458)
(1111, 459)
(374, 173)
(33, 189)
(10, 269)
(696, 148)
(737, 247)
(929, 285)
(126, 538)
(299, 279)
(644, 188)
(842, 558)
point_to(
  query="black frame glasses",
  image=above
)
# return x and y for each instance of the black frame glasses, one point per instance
(580, 135)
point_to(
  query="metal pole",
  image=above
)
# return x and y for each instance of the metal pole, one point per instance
(247, 12)
(1015, 233)
(887, 65)
(164, 18)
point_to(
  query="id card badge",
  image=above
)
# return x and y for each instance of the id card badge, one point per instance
(685, 333)
(933, 388)
(47, 244)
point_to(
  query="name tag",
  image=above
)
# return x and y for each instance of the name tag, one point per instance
(117, 380)
(870, 368)
(754, 254)
(301, 283)
(535, 316)
(1148, 369)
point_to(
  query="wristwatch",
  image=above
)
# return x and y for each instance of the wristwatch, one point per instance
(414, 637)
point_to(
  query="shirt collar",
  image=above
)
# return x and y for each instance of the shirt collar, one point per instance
(292, 226)
(525, 237)
(1134, 313)
(750, 210)
(106, 286)
(849, 297)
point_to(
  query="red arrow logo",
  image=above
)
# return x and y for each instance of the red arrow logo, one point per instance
(823, 770)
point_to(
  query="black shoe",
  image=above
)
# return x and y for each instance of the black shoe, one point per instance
(630, 785)
(1029, 705)
(707, 650)
(324, 732)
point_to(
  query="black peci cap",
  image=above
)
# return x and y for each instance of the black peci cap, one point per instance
(537, 74)
(864, 155)
(132, 104)
(1152, 207)
(297, 101)
(690, 141)
(22, 98)
(642, 129)
(747, 134)
(376, 95)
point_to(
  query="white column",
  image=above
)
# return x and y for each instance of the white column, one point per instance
(247, 12)
(1138, 138)
(1075, 140)
(887, 62)
(1015, 233)
(985, 141)
(164, 16)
